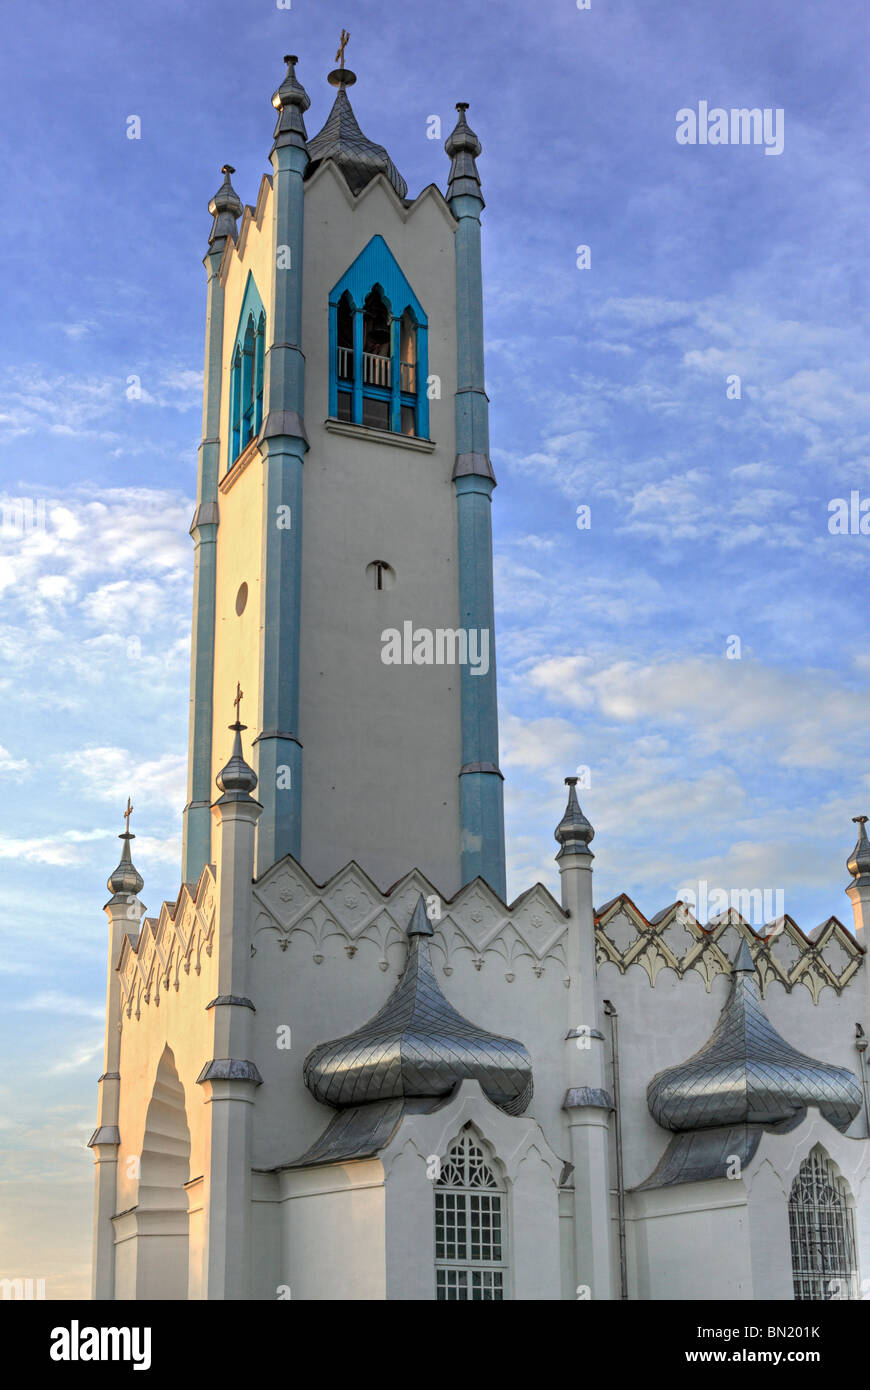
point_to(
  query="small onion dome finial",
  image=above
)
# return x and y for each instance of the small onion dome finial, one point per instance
(858, 862)
(291, 101)
(226, 208)
(574, 831)
(237, 780)
(126, 881)
(463, 147)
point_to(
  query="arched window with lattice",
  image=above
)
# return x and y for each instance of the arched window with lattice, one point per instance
(821, 1222)
(470, 1235)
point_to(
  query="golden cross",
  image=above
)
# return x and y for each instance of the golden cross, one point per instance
(342, 45)
(127, 814)
(238, 700)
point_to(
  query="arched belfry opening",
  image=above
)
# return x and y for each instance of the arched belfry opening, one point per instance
(163, 1224)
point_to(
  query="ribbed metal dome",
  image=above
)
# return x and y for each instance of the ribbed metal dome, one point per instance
(418, 1046)
(342, 141)
(748, 1074)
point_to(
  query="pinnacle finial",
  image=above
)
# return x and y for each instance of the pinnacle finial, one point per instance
(291, 101)
(858, 862)
(237, 780)
(463, 147)
(419, 924)
(126, 880)
(226, 208)
(574, 831)
(743, 962)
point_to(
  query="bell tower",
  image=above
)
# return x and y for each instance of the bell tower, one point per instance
(342, 533)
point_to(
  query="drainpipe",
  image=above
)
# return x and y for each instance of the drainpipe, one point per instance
(861, 1047)
(611, 1013)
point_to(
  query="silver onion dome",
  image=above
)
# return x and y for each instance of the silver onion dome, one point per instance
(126, 880)
(236, 779)
(463, 147)
(748, 1074)
(226, 208)
(417, 1046)
(574, 831)
(342, 141)
(858, 862)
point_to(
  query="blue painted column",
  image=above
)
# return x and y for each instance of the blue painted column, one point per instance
(225, 208)
(283, 444)
(481, 800)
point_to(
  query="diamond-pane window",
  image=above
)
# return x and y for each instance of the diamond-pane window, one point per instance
(469, 1238)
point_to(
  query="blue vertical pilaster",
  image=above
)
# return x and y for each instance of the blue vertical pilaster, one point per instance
(283, 443)
(225, 208)
(481, 799)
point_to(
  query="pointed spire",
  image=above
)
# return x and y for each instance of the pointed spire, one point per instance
(463, 147)
(237, 780)
(126, 881)
(858, 862)
(291, 101)
(574, 831)
(420, 924)
(743, 961)
(226, 208)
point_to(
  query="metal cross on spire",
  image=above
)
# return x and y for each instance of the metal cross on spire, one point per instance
(238, 700)
(127, 814)
(342, 45)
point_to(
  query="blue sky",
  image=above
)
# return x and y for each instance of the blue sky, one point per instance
(608, 389)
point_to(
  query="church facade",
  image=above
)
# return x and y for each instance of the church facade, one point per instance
(340, 1065)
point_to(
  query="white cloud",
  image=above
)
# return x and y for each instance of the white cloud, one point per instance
(54, 1001)
(9, 764)
(112, 774)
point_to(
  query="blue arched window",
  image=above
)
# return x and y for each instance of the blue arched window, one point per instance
(246, 374)
(378, 346)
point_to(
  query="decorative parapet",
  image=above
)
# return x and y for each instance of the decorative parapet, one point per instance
(675, 940)
(526, 935)
(288, 905)
(169, 945)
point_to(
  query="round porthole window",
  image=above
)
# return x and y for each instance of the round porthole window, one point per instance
(241, 599)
